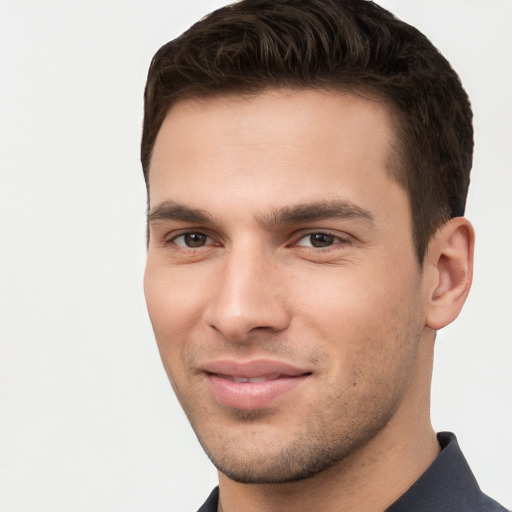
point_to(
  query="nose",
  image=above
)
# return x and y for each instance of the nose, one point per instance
(248, 296)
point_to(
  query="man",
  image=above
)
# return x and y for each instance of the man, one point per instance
(307, 165)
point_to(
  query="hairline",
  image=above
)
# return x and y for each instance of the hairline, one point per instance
(394, 164)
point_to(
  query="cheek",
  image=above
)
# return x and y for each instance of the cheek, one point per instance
(366, 321)
(172, 293)
(173, 307)
(370, 288)
(340, 299)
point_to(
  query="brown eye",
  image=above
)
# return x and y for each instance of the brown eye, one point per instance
(191, 240)
(318, 240)
(321, 239)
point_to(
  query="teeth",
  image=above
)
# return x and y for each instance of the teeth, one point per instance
(245, 379)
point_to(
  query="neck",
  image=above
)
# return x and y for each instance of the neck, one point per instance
(371, 478)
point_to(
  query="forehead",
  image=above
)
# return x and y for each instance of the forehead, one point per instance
(278, 146)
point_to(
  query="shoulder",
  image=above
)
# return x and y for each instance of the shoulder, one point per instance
(210, 505)
(489, 505)
(447, 485)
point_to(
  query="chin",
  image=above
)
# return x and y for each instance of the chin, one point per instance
(267, 459)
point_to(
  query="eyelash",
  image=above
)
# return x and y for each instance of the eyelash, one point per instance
(337, 239)
(183, 234)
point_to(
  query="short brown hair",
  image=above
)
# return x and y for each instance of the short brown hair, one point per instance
(340, 45)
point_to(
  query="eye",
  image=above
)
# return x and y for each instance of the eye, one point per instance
(319, 240)
(192, 240)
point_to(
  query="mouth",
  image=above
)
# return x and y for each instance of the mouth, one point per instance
(250, 379)
(253, 385)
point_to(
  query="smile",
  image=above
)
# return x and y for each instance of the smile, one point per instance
(249, 379)
(252, 385)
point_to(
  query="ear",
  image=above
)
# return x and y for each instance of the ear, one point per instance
(449, 262)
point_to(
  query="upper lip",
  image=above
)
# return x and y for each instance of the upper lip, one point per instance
(254, 368)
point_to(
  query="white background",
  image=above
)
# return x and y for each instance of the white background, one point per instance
(87, 418)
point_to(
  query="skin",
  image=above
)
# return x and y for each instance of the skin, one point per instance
(343, 297)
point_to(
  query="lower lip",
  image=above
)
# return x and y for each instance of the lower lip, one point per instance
(251, 395)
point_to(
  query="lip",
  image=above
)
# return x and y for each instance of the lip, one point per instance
(252, 385)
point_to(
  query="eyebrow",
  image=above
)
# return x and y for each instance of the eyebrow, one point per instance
(170, 210)
(322, 210)
(301, 213)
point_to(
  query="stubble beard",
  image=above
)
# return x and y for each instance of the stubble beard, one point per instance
(316, 448)
(248, 451)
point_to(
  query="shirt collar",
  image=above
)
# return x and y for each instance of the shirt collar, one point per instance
(447, 485)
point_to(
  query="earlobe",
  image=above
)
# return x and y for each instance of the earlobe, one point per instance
(450, 260)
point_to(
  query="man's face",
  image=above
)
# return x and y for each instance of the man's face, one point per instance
(281, 278)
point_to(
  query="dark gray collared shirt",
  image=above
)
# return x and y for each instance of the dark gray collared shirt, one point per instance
(448, 485)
